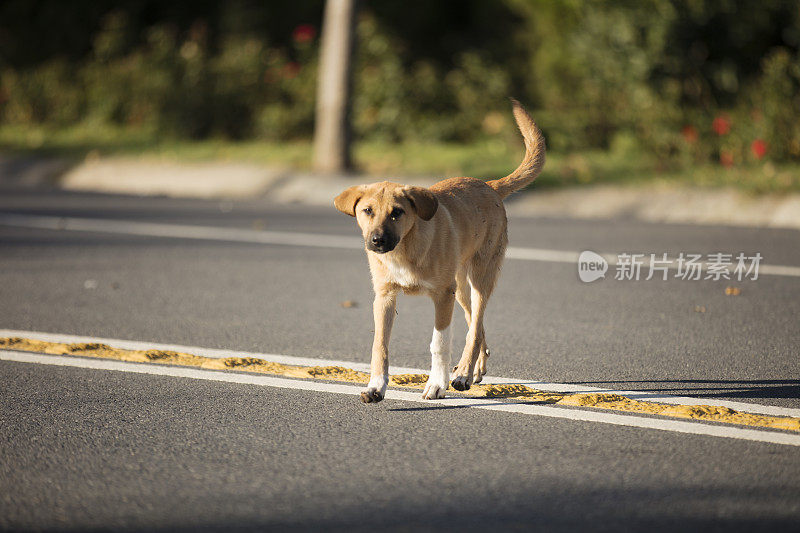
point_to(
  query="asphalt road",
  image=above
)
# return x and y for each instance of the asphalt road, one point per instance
(91, 449)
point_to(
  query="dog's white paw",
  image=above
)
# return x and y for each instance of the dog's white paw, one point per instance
(434, 388)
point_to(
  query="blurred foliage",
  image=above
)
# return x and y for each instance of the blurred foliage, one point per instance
(684, 82)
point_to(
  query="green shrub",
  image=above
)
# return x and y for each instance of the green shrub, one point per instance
(647, 76)
(776, 114)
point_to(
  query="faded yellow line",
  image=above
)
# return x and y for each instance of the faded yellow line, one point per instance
(613, 402)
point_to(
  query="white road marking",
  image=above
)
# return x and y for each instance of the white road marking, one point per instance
(180, 231)
(694, 428)
(770, 410)
(288, 238)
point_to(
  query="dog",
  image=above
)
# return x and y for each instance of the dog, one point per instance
(448, 242)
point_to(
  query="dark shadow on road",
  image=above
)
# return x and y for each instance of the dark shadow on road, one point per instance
(714, 388)
(528, 509)
(495, 400)
(431, 408)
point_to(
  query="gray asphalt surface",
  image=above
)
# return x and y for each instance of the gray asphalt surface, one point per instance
(104, 450)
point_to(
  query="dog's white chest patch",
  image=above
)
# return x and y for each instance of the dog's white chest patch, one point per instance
(402, 275)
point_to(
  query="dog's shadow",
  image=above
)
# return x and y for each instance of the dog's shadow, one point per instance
(755, 389)
(760, 389)
(509, 400)
(432, 407)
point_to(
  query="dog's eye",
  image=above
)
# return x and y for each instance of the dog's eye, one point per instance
(367, 211)
(396, 213)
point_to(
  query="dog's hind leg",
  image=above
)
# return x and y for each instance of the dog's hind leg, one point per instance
(441, 345)
(463, 296)
(483, 359)
(483, 273)
(463, 374)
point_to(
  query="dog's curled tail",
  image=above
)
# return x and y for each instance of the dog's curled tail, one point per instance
(533, 162)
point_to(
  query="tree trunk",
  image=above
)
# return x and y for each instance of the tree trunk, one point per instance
(332, 128)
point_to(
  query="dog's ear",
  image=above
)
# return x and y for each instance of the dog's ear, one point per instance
(423, 200)
(347, 200)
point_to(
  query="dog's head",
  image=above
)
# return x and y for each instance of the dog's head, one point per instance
(386, 212)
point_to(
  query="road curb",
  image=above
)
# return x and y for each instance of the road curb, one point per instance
(664, 203)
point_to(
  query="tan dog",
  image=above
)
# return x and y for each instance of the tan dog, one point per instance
(448, 242)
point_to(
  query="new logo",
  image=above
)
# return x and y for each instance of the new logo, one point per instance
(591, 266)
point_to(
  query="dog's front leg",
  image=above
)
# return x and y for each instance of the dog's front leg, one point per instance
(441, 345)
(383, 309)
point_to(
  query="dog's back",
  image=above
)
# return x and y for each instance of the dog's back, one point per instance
(475, 209)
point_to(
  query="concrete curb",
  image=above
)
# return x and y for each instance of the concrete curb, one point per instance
(153, 178)
(661, 202)
(212, 180)
(664, 203)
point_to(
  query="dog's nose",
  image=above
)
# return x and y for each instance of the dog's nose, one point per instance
(378, 239)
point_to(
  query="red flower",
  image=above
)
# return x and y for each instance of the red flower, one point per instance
(721, 125)
(304, 33)
(689, 134)
(759, 148)
(726, 158)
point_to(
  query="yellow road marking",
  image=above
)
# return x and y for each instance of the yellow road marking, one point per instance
(608, 401)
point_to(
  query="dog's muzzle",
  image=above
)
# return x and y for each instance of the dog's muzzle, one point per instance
(381, 242)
